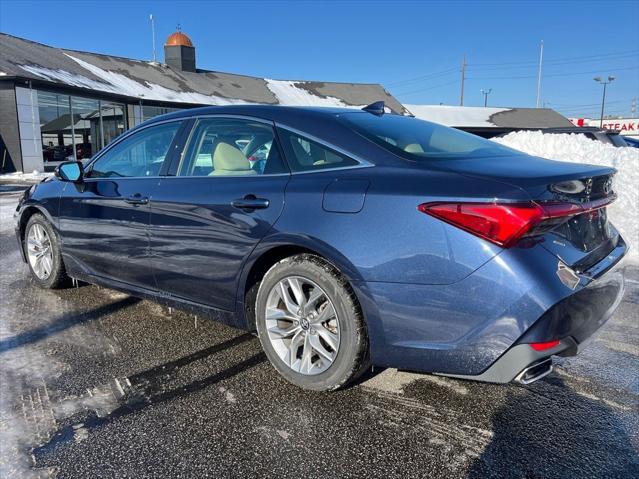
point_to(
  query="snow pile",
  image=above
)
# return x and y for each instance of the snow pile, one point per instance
(455, 116)
(34, 176)
(576, 148)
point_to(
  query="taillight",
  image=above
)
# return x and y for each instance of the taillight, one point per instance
(544, 346)
(505, 223)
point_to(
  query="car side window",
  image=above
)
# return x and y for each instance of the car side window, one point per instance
(231, 147)
(139, 155)
(304, 154)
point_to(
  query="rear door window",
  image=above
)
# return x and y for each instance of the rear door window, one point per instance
(231, 147)
(304, 154)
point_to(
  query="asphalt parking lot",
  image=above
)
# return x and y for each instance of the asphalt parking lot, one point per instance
(95, 383)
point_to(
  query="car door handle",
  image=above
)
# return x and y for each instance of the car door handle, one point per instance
(136, 199)
(251, 202)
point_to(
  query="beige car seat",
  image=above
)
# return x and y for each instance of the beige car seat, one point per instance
(229, 160)
(414, 148)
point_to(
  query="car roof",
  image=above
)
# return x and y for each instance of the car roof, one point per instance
(316, 123)
(268, 112)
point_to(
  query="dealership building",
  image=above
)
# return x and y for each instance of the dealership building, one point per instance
(59, 104)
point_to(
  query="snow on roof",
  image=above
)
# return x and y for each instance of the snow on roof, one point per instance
(293, 93)
(455, 115)
(157, 82)
(118, 83)
(480, 117)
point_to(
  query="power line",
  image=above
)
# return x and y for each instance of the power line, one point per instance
(553, 64)
(565, 105)
(424, 77)
(428, 88)
(534, 62)
(612, 69)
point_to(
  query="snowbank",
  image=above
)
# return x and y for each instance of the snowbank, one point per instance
(33, 177)
(624, 213)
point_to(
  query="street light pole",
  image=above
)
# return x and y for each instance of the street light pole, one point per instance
(486, 93)
(541, 60)
(153, 36)
(603, 99)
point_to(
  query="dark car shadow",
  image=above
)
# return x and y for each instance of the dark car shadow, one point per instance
(156, 385)
(557, 433)
(64, 322)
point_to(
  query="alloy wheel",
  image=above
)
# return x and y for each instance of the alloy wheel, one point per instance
(302, 325)
(39, 251)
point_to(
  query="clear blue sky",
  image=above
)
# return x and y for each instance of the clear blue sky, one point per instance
(414, 48)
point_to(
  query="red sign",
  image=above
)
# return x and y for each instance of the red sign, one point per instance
(626, 126)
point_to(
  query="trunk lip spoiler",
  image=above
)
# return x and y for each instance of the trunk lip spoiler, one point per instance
(580, 208)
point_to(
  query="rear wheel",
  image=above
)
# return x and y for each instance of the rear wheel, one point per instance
(310, 324)
(42, 250)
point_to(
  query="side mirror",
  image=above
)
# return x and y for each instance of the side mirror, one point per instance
(70, 171)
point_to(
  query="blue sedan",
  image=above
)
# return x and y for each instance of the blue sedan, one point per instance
(343, 238)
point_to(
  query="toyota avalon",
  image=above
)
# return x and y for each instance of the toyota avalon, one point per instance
(343, 238)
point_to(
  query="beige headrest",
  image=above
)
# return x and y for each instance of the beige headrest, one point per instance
(302, 155)
(414, 148)
(229, 160)
(330, 158)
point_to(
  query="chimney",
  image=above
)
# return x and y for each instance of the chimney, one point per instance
(179, 52)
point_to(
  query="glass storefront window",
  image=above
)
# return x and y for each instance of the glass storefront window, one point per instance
(86, 135)
(151, 111)
(56, 126)
(112, 120)
(77, 127)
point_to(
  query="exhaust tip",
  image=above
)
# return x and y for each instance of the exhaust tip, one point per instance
(535, 372)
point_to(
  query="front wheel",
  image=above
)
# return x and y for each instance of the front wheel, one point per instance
(310, 325)
(42, 250)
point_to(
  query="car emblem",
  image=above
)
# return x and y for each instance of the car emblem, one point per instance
(588, 188)
(608, 186)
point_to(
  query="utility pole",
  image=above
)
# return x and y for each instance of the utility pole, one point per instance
(463, 78)
(603, 99)
(486, 93)
(153, 36)
(541, 59)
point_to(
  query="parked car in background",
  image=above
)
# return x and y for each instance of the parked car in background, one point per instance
(604, 136)
(365, 238)
(56, 153)
(632, 141)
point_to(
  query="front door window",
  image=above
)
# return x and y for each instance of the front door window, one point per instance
(140, 155)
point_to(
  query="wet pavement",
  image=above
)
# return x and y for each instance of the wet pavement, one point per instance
(95, 383)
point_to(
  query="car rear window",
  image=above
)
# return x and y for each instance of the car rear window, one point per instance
(418, 140)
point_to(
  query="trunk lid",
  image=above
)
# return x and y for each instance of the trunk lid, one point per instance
(580, 241)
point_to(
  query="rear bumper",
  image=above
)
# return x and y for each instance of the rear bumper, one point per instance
(573, 321)
(480, 328)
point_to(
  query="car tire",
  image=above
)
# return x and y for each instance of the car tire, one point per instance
(314, 277)
(56, 276)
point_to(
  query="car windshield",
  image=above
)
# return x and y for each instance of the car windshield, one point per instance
(418, 140)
